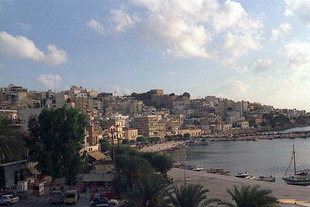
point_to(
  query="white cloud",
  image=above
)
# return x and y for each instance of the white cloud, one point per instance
(122, 20)
(24, 26)
(199, 28)
(281, 31)
(97, 26)
(299, 7)
(297, 55)
(21, 47)
(49, 81)
(261, 65)
(235, 89)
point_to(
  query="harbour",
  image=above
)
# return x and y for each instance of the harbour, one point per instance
(259, 158)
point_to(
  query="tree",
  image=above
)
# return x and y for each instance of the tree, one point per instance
(146, 192)
(187, 136)
(132, 167)
(12, 146)
(125, 141)
(104, 145)
(186, 94)
(161, 163)
(140, 139)
(192, 195)
(59, 136)
(251, 196)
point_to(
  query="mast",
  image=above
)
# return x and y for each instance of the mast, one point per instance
(294, 158)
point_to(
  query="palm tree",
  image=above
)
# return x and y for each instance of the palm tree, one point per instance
(11, 144)
(251, 196)
(147, 191)
(192, 195)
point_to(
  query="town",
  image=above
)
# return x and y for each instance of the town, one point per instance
(138, 120)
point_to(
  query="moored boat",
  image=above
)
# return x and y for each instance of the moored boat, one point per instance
(300, 177)
(198, 168)
(242, 175)
(270, 178)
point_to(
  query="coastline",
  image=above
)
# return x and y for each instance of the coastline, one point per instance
(218, 184)
(166, 146)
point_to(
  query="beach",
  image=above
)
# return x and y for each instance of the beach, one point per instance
(218, 184)
(164, 146)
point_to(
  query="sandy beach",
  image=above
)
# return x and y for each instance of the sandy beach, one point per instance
(163, 146)
(217, 185)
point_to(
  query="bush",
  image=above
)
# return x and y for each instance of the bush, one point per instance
(125, 141)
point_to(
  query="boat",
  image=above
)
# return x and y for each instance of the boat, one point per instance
(242, 175)
(270, 178)
(300, 177)
(198, 168)
(218, 171)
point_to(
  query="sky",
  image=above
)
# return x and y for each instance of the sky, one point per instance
(239, 49)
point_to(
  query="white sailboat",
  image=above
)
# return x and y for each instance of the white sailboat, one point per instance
(301, 177)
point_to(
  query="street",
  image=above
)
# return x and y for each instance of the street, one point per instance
(42, 201)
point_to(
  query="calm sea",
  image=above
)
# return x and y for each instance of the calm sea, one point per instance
(265, 157)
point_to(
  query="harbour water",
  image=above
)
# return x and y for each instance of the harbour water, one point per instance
(264, 157)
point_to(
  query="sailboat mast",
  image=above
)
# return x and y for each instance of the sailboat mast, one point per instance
(294, 159)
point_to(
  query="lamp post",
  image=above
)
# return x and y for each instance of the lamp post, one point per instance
(113, 149)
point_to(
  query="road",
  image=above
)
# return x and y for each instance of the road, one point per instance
(43, 201)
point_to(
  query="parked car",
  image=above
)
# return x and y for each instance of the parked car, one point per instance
(8, 199)
(71, 197)
(103, 202)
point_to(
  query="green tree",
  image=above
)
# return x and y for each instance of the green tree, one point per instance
(147, 192)
(187, 136)
(251, 196)
(192, 195)
(58, 135)
(105, 145)
(140, 139)
(132, 167)
(12, 146)
(161, 163)
(125, 141)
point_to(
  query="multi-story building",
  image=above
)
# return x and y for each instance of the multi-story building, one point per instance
(147, 126)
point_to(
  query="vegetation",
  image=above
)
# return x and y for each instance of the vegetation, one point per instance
(135, 173)
(147, 192)
(125, 141)
(248, 196)
(12, 146)
(58, 136)
(191, 195)
(104, 145)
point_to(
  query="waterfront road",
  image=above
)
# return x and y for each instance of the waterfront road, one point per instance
(43, 201)
(218, 184)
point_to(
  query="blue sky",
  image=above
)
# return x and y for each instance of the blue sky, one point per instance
(247, 49)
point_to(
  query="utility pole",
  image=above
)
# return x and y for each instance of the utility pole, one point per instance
(184, 168)
(113, 148)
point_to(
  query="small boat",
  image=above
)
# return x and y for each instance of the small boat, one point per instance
(270, 178)
(198, 168)
(301, 177)
(218, 171)
(242, 175)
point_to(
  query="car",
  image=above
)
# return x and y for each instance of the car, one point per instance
(103, 202)
(71, 197)
(8, 199)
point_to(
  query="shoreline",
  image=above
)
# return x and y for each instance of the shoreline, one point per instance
(218, 184)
